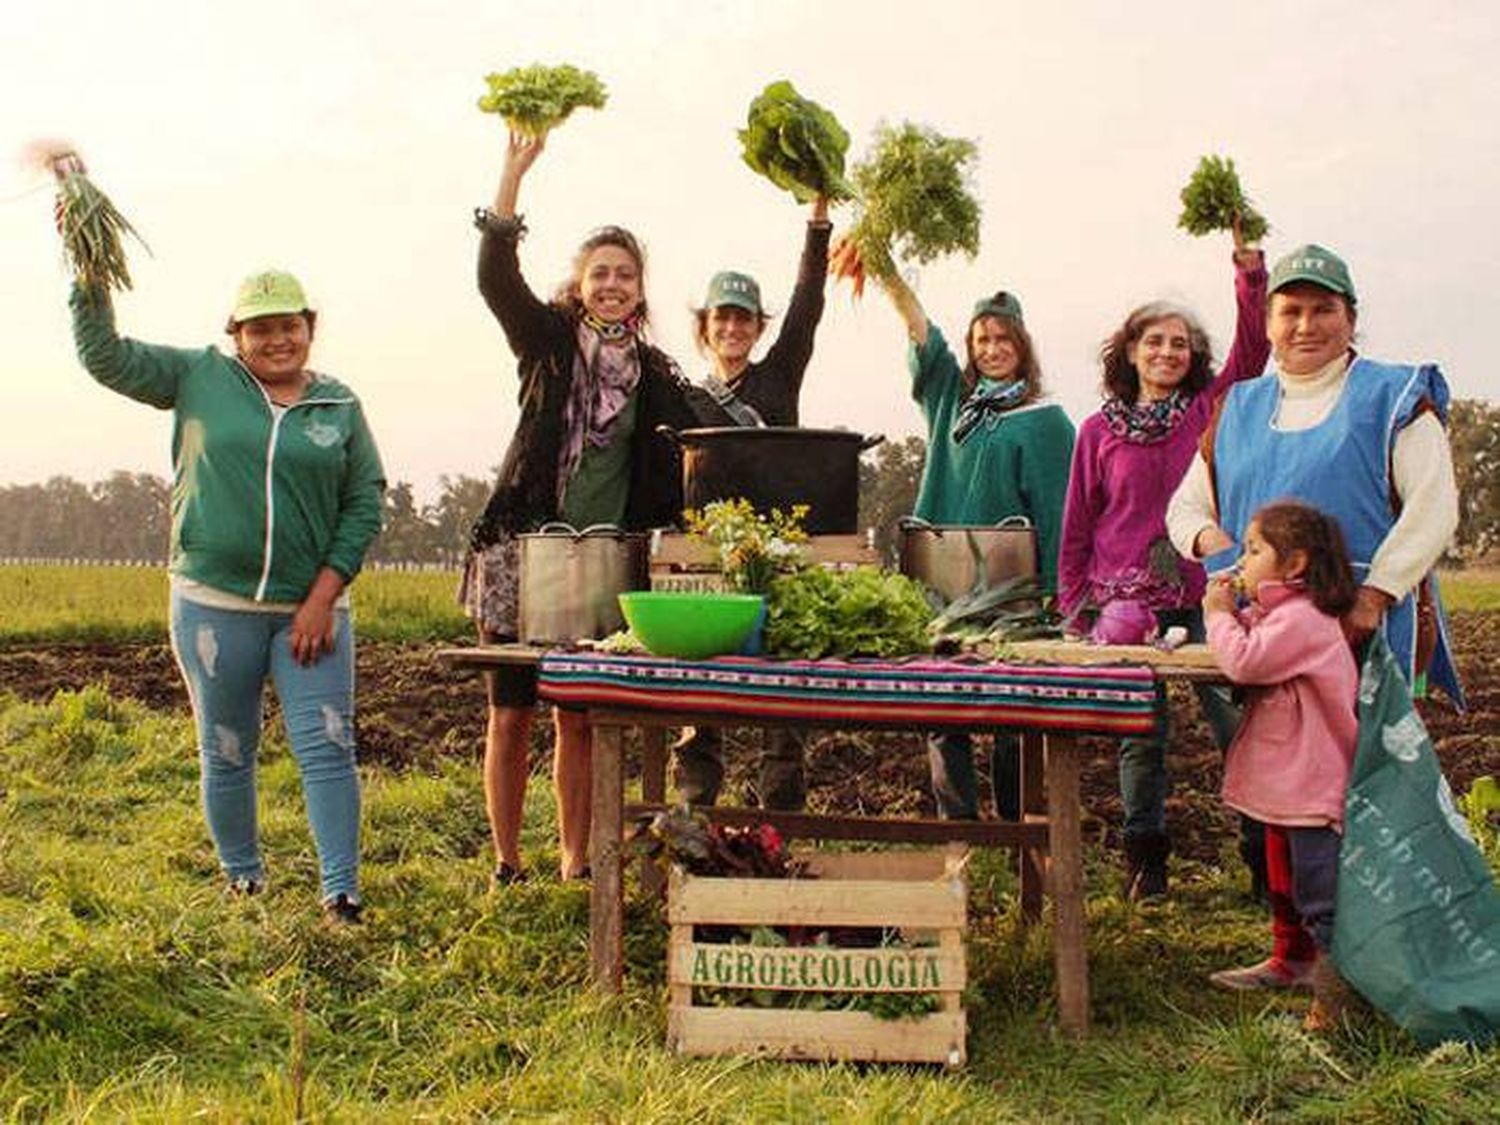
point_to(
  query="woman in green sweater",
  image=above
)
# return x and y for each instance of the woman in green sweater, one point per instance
(276, 497)
(995, 449)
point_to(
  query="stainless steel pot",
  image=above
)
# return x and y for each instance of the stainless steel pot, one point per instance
(570, 579)
(776, 467)
(947, 557)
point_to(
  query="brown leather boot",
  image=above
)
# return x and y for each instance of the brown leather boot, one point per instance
(1333, 1000)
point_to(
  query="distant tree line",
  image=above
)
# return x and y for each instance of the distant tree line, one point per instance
(125, 517)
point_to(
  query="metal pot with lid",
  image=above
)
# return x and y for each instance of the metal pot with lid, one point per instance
(776, 467)
(570, 580)
(946, 557)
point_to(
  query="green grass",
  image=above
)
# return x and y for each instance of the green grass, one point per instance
(1472, 590)
(129, 603)
(132, 989)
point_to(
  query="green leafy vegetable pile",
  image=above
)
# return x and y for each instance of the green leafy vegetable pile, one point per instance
(796, 144)
(915, 199)
(818, 612)
(534, 99)
(1213, 200)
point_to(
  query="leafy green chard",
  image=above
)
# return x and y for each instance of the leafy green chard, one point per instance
(914, 198)
(1213, 200)
(796, 144)
(866, 611)
(534, 99)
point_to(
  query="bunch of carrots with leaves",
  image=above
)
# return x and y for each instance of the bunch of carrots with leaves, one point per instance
(915, 204)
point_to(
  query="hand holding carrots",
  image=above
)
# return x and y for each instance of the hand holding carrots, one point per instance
(844, 262)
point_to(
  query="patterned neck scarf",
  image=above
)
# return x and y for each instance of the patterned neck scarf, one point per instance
(606, 369)
(990, 399)
(1145, 423)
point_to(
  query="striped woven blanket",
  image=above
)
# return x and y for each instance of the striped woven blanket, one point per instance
(909, 693)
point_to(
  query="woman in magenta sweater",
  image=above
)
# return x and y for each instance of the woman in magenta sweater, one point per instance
(1160, 394)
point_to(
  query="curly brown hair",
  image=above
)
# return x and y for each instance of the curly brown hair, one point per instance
(1288, 525)
(1028, 367)
(1123, 381)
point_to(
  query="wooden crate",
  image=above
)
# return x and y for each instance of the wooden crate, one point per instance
(922, 893)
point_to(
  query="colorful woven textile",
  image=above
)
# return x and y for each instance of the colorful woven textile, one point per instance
(912, 693)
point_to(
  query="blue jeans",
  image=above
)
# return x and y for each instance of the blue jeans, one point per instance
(955, 786)
(225, 656)
(1143, 761)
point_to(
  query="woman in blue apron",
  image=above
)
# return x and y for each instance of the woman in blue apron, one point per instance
(1364, 441)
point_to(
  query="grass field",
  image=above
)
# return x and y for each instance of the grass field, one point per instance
(129, 603)
(132, 989)
(41, 603)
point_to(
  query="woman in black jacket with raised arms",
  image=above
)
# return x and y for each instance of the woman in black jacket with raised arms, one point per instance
(585, 450)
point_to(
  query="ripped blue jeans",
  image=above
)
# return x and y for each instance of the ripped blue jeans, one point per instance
(225, 656)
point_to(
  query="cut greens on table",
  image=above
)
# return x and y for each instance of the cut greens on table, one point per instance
(796, 144)
(1213, 201)
(816, 612)
(534, 99)
(914, 204)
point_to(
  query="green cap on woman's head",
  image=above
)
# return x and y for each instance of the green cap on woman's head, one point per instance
(1001, 304)
(268, 293)
(1316, 265)
(728, 287)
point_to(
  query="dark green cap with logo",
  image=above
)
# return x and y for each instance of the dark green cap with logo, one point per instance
(1001, 304)
(728, 287)
(1316, 265)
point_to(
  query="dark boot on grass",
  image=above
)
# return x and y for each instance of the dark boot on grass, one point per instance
(1146, 865)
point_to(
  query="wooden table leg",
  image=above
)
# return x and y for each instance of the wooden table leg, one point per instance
(607, 891)
(653, 792)
(1033, 805)
(1069, 927)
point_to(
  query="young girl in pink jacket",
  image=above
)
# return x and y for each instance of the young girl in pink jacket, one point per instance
(1289, 763)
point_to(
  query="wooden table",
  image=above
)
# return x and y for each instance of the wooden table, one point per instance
(1049, 836)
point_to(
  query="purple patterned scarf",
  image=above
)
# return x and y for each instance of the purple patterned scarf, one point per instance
(1147, 422)
(606, 369)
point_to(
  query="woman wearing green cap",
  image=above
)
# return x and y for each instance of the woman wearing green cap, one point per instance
(1160, 391)
(996, 448)
(275, 499)
(1364, 442)
(592, 391)
(740, 391)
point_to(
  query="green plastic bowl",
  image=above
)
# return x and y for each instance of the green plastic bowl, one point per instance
(690, 625)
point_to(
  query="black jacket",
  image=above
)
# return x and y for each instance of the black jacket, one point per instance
(544, 337)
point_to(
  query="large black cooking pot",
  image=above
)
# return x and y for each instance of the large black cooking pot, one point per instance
(776, 467)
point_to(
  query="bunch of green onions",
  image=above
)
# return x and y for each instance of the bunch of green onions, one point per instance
(92, 228)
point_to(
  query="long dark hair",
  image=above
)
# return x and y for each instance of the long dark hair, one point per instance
(1028, 367)
(567, 295)
(1288, 526)
(1123, 381)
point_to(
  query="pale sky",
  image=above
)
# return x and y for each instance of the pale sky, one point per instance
(340, 140)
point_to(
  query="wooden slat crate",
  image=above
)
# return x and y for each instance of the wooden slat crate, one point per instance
(924, 894)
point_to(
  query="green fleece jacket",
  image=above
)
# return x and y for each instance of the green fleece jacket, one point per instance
(1014, 465)
(261, 500)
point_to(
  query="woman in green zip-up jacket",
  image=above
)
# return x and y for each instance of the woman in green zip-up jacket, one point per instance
(276, 496)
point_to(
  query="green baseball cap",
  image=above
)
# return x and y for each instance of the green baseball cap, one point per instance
(728, 287)
(268, 293)
(1314, 264)
(1002, 304)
